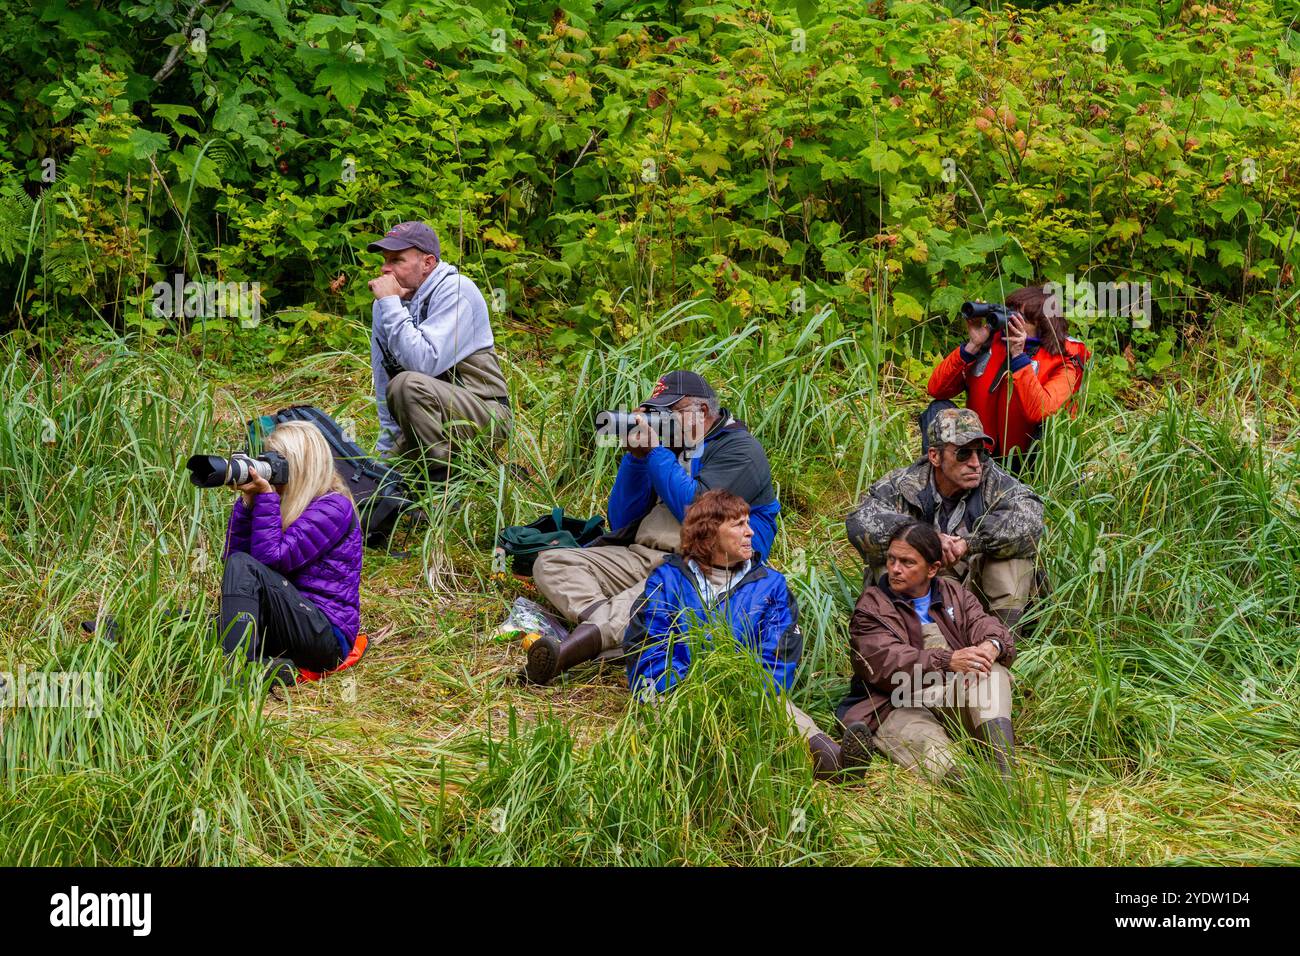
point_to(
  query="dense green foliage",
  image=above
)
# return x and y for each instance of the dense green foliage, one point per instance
(599, 162)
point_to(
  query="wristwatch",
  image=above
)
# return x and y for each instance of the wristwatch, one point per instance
(996, 643)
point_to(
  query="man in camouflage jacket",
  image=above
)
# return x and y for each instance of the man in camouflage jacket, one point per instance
(989, 522)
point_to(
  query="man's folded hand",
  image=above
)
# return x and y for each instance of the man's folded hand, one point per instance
(386, 285)
(954, 548)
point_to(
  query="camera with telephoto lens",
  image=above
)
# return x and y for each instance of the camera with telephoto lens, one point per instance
(995, 315)
(613, 428)
(623, 423)
(212, 471)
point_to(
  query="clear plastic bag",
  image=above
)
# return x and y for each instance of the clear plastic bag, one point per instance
(527, 621)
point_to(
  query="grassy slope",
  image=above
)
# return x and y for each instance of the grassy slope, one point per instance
(1157, 704)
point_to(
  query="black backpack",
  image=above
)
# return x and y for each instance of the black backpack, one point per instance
(379, 490)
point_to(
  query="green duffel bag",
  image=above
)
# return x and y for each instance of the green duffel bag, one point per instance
(524, 542)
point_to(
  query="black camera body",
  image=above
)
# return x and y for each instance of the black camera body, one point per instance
(995, 315)
(622, 423)
(212, 471)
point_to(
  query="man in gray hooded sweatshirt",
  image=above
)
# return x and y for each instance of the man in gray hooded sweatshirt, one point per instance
(437, 380)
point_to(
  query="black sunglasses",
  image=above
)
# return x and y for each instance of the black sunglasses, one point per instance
(964, 453)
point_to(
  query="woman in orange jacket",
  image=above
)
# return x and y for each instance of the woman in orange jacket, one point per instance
(1034, 356)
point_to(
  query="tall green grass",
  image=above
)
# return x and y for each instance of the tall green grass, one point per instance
(1156, 701)
(709, 774)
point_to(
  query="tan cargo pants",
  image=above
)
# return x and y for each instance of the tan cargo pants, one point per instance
(806, 726)
(915, 737)
(600, 585)
(596, 585)
(436, 417)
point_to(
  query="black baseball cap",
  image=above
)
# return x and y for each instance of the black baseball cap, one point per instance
(678, 385)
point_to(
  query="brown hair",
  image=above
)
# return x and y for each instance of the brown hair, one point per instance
(706, 514)
(1031, 302)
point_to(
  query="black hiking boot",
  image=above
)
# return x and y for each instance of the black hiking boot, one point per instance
(1000, 738)
(1011, 618)
(282, 671)
(107, 632)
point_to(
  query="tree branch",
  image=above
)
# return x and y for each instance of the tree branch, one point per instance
(175, 54)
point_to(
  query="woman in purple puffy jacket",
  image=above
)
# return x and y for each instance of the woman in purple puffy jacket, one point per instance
(290, 594)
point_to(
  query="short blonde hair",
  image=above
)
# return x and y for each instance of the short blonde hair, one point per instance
(311, 468)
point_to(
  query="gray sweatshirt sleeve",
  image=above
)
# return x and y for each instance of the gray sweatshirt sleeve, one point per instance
(435, 344)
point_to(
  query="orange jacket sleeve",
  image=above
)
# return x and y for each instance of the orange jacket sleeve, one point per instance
(1040, 399)
(948, 380)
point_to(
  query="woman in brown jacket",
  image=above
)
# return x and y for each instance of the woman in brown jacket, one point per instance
(924, 652)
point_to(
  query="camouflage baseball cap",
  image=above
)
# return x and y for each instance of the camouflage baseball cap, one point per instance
(955, 426)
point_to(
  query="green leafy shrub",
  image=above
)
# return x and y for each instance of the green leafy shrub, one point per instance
(599, 163)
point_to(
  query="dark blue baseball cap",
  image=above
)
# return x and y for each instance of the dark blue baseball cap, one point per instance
(407, 235)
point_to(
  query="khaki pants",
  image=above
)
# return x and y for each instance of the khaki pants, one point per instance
(915, 737)
(806, 726)
(435, 416)
(1001, 585)
(596, 585)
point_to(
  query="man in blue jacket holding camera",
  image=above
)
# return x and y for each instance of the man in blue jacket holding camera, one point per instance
(595, 587)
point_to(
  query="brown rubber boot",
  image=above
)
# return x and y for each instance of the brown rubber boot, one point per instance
(826, 757)
(855, 746)
(1000, 738)
(549, 657)
(1011, 618)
